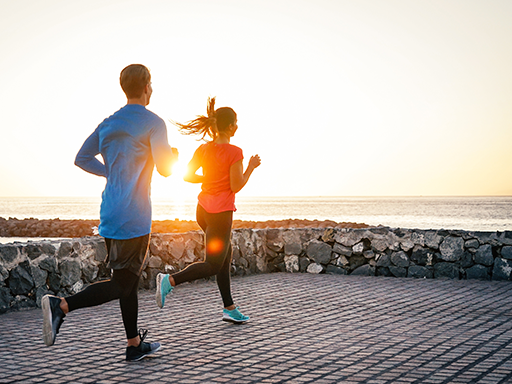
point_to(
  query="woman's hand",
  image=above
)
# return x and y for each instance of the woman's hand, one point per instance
(254, 162)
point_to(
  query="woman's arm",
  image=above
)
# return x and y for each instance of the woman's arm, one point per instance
(237, 177)
(191, 176)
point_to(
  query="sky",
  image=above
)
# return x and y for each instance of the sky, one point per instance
(338, 97)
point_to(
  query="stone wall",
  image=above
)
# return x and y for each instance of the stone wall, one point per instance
(30, 270)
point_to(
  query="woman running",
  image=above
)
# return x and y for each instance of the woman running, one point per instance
(222, 177)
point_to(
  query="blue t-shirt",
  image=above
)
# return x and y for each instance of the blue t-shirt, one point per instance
(130, 142)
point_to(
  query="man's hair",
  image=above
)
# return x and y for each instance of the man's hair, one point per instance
(134, 79)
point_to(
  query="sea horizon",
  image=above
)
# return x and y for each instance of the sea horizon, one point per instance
(475, 213)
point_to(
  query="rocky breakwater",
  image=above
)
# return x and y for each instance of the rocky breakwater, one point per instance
(13, 227)
(30, 270)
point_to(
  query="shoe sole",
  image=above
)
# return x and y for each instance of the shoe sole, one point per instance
(47, 321)
(230, 320)
(158, 295)
(146, 354)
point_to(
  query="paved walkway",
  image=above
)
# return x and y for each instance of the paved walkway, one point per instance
(304, 329)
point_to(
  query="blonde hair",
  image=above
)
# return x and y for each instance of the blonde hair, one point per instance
(214, 123)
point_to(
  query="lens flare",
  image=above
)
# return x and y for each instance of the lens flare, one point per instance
(215, 246)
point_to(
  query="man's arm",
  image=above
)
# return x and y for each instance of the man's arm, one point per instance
(86, 157)
(163, 155)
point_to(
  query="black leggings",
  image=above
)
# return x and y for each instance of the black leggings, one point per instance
(218, 253)
(123, 286)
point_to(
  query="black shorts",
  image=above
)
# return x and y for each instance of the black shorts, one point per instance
(127, 254)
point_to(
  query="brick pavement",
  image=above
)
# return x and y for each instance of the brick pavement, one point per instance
(304, 329)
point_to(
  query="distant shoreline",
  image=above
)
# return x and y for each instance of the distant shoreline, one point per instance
(37, 228)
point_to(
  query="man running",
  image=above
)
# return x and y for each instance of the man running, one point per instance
(131, 142)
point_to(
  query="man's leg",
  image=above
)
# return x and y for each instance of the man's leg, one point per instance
(123, 282)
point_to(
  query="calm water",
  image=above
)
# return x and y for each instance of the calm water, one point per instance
(468, 213)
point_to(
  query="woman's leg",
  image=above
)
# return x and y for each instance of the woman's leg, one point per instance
(224, 280)
(217, 229)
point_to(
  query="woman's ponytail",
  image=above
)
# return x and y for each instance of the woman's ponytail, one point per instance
(209, 124)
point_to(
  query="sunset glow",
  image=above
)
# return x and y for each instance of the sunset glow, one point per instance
(339, 98)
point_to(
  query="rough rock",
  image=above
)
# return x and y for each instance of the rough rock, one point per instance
(449, 270)
(20, 281)
(314, 268)
(483, 255)
(342, 250)
(400, 259)
(319, 251)
(478, 272)
(502, 269)
(334, 270)
(70, 272)
(398, 271)
(452, 248)
(422, 256)
(364, 270)
(383, 260)
(419, 271)
(472, 243)
(506, 252)
(292, 263)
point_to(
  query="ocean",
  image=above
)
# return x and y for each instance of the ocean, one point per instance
(467, 213)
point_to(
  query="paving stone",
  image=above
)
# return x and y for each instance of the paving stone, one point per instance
(304, 328)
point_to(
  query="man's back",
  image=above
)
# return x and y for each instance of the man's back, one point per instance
(128, 141)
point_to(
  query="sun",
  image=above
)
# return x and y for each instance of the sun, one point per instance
(174, 187)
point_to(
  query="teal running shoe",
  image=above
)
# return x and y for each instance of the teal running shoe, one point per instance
(163, 288)
(234, 316)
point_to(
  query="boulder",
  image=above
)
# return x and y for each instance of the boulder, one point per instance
(358, 249)
(483, 255)
(433, 239)
(452, 248)
(292, 242)
(342, 250)
(303, 263)
(419, 271)
(400, 259)
(502, 269)
(356, 261)
(20, 280)
(422, 256)
(65, 249)
(314, 268)
(275, 240)
(449, 270)
(70, 272)
(466, 260)
(90, 272)
(8, 253)
(5, 299)
(319, 251)
(291, 263)
(472, 243)
(478, 272)
(38, 275)
(506, 252)
(398, 271)
(334, 270)
(48, 263)
(364, 270)
(383, 260)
